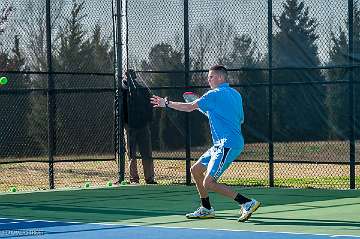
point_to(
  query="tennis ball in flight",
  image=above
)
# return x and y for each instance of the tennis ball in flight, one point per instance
(3, 80)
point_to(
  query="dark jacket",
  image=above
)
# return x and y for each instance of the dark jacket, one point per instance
(138, 111)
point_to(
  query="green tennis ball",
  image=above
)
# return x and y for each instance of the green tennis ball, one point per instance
(87, 185)
(123, 183)
(109, 184)
(3, 80)
(13, 189)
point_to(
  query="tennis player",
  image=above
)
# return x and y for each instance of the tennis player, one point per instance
(223, 107)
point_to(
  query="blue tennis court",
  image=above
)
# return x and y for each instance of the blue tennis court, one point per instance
(10, 228)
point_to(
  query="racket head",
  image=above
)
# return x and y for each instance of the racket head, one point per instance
(190, 96)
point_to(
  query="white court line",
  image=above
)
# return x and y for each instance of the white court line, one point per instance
(6, 223)
(191, 228)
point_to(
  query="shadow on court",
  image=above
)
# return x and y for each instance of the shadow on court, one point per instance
(136, 202)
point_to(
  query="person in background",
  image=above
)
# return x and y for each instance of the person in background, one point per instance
(138, 113)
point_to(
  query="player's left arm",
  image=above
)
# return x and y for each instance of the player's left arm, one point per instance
(158, 101)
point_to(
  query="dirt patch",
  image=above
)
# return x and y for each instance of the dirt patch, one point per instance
(34, 175)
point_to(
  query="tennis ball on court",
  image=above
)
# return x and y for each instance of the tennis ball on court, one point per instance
(123, 183)
(13, 189)
(3, 80)
(109, 184)
(87, 185)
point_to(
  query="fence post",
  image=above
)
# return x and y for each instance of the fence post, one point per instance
(120, 142)
(50, 99)
(271, 145)
(187, 83)
(351, 95)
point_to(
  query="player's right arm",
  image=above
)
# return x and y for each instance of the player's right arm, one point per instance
(181, 106)
(158, 101)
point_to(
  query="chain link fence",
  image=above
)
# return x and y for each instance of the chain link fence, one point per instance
(294, 62)
(57, 110)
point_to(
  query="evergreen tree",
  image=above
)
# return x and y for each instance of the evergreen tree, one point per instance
(298, 109)
(337, 97)
(73, 53)
(102, 52)
(34, 27)
(80, 116)
(14, 107)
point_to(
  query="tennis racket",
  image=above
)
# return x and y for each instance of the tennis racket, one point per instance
(190, 97)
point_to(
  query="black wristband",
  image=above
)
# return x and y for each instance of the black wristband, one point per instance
(166, 101)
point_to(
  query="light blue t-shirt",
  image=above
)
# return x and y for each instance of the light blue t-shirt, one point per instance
(223, 107)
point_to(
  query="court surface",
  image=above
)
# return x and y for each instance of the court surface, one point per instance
(158, 212)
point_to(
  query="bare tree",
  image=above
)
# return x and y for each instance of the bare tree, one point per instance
(224, 35)
(5, 13)
(34, 29)
(216, 39)
(201, 46)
